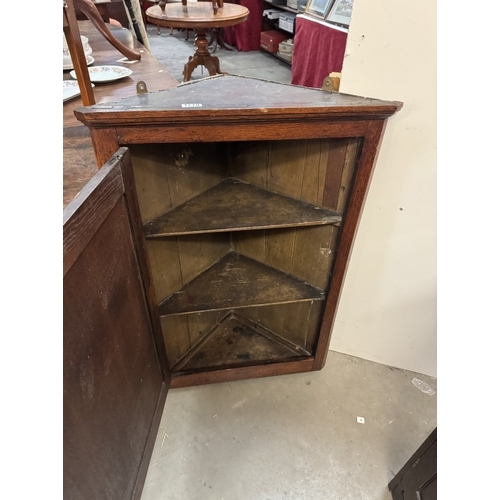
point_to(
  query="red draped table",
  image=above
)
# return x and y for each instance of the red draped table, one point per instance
(246, 36)
(318, 49)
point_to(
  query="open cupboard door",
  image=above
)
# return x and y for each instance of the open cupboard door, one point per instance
(116, 373)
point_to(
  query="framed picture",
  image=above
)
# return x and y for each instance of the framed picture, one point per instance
(318, 8)
(341, 12)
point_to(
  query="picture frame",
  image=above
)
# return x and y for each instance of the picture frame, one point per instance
(340, 12)
(318, 8)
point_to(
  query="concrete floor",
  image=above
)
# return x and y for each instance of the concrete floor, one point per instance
(292, 437)
(174, 50)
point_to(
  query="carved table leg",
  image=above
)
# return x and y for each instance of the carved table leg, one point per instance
(201, 57)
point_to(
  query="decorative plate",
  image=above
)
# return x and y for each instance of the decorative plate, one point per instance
(90, 60)
(100, 74)
(71, 89)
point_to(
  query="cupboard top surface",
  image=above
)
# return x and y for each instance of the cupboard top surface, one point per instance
(236, 97)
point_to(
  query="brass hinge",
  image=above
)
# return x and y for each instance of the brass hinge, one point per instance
(332, 82)
(141, 87)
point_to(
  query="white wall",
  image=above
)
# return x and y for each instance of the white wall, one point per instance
(387, 311)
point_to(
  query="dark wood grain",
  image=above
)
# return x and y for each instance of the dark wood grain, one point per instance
(196, 15)
(417, 479)
(113, 378)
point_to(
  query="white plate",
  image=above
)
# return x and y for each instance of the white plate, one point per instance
(71, 89)
(90, 60)
(106, 73)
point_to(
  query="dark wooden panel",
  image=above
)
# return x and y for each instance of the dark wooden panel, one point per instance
(417, 479)
(233, 205)
(237, 281)
(113, 381)
(213, 376)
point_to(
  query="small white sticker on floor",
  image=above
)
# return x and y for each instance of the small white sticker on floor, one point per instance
(192, 105)
(361, 420)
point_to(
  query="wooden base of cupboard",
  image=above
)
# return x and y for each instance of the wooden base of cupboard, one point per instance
(233, 204)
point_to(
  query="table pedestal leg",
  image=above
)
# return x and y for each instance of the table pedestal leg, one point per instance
(201, 57)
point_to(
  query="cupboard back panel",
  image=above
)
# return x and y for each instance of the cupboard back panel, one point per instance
(167, 175)
(318, 171)
(181, 333)
(176, 260)
(299, 169)
(298, 323)
(306, 252)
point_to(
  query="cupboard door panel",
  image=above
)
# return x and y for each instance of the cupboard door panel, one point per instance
(115, 376)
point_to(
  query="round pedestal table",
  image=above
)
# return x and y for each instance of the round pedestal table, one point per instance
(201, 17)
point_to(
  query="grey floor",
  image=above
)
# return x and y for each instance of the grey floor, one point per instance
(294, 437)
(174, 50)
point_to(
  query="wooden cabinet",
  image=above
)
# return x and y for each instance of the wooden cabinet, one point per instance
(249, 194)
(210, 246)
(417, 479)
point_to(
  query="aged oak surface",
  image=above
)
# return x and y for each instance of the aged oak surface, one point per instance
(237, 281)
(237, 341)
(79, 162)
(234, 205)
(269, 249)
(115, 373)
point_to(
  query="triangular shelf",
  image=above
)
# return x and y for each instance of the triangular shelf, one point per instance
(238, 281)
(238, 341)
(233, 205)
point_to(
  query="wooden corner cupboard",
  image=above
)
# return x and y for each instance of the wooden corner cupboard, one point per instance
(210, 246)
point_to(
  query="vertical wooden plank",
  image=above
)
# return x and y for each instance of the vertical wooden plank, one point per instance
(335, 166)
(248, 162)
(313, 254)
(176, 336)
(194, 168)
(151, 179)
(302, 323)
(314, 172)
(280, 248)
(286, 167)
(250, 243)
(272, 318)
(165, 266)
(348, 173)
(200, 324)
(199, 252)
(313, 326)
(105, 142)
(251, 313)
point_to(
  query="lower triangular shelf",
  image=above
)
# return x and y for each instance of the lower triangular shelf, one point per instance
(238, 341)
(238, 281)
